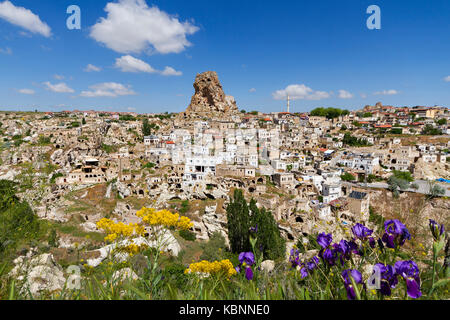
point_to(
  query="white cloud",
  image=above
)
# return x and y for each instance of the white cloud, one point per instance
(92, 68)
(131, 64)
(343, 94)
(131, 109)
(26, 91)
(169, 71)
(386, 92)
(447, 79)
(58, 77)
(108, 89)
(59, 87)
(24, 18)
(131, 26)
(6, 51)
(252, 90)
(300, 92)
(363, 95)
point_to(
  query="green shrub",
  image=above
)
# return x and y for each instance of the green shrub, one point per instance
(149, 165)
(53, 238)
(18, 222)
(184, 206)
(187, 235)
(347, 177)
(215, 248)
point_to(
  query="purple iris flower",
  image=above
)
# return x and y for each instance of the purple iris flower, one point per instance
(344, 248)
(389, 240)
(356, 275)
(294, 257)
(313, 263)
(249, 273)
(324, 240)
(409, 271)
(254, 229)
(361, 232)
(388, 278)
(247, 258)
(328, 255)
(436, 229)
(303, 271)
(396, 233)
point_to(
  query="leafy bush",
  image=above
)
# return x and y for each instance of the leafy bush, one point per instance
(353, 141)
(348, 177)
(44, 140)
(397, 184)
(108, 148)
(215, 248)
(149, 165)
(187, 235)
(184, 206)
(18, 222)
(404, 175)
(431, 131)
(53, 238)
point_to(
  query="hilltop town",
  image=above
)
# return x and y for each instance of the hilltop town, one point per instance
(315, 171)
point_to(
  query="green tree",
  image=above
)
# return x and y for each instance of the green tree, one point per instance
(238, 215)
(269, 240)
(429, 130)
(246, 221)
(146, 129)
(396, 130)
(397, 184)
(347, 177)
(404, 175)
(329, 113)
(441, 122)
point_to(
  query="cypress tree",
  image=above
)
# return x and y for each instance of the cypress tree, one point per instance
(241, 217)
(238, 225)
(269, 240)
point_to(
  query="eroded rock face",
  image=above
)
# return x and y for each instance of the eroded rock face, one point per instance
(209, 98)
(38, 274)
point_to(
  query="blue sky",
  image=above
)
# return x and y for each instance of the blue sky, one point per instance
(145, 55)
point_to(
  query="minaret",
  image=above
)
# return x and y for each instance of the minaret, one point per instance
(288, 103)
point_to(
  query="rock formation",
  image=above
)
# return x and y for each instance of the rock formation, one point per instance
(209, 99)
(38, 274)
